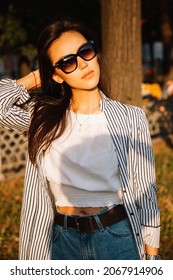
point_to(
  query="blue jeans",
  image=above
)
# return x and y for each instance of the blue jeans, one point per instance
(115, 242)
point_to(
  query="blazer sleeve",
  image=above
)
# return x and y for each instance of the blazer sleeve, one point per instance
(11, 96)
(146, 187)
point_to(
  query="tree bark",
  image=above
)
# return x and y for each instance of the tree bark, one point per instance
(121, 44)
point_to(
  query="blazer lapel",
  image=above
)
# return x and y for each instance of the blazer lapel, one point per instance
(116, 120)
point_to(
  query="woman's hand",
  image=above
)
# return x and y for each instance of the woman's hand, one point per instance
(31, 81)
(151, 251)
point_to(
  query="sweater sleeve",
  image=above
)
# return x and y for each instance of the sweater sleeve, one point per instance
(12, 116)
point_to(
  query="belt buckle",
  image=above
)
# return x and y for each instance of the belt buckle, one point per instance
(77, 225)
(90, 224)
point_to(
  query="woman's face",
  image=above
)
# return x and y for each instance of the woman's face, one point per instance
(87, 74)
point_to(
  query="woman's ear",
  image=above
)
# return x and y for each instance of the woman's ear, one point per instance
(57, 79)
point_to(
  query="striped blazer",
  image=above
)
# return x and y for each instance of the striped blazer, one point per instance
(128, 128)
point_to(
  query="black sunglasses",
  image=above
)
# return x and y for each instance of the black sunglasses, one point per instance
(68, 64)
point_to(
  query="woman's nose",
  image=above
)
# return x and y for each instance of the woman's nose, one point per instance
(81, 63)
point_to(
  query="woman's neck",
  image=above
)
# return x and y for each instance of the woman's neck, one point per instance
(86, 102)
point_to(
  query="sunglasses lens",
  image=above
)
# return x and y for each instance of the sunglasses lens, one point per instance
(87, 52)
(68, 64)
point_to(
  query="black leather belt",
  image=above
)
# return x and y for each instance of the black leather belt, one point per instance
(88, 223)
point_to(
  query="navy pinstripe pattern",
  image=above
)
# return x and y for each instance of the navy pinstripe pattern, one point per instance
(129, 130)
(128, 127)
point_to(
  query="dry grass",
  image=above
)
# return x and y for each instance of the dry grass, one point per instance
(11, 195)
(163, 149)
(10, 207)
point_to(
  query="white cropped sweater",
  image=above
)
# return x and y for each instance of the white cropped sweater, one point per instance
(81, 166)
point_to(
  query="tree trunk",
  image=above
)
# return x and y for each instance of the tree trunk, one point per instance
(121, 42)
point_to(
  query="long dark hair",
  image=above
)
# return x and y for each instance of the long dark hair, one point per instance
(50, 108)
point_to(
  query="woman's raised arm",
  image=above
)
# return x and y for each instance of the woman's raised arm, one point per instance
(31, 81)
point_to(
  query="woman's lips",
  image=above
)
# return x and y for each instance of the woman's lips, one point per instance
(88, 75)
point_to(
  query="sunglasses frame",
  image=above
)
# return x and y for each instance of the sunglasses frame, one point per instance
(59, 63)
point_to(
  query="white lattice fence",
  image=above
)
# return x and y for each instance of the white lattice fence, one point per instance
(13, 146)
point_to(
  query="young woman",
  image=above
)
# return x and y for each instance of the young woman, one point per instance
(90, 188)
